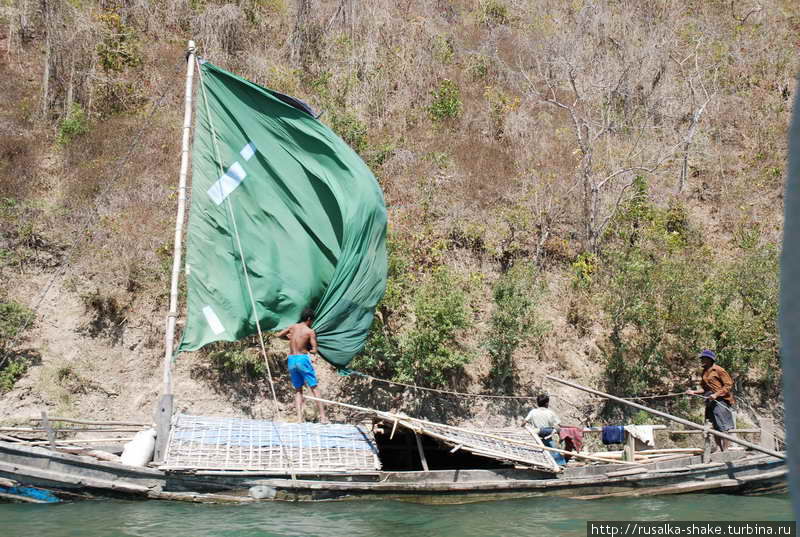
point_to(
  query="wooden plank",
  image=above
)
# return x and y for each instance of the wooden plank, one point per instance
(680, 488)
(13, 439)
(767, 438)
(629, 451)
(632, 471)
(421, 452)
(72, 479)
(69, 429)
(51, 436)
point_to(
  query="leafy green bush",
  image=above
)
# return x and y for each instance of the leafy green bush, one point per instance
(427, 351)
(443, 49)
(351, 129)
(14, 319)
(431, 354)
(382, 351)
(666, 297)
(493, 12)
(119, 47)
(73, 125)
(513, 322)
(446, 101)
(477, 67)
(237, 359)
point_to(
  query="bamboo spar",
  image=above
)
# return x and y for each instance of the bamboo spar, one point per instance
(676, 419)
(164, 410)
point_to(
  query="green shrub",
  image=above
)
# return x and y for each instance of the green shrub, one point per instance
(13, 370)
(493, 12)
(666, 297)
(477, 67)
(583, 268)
(119, 47)
(446, 101)
(431, 353)
(427, 352)
(443, 50)
(382, 351)
(513, 322)
(351, 129)
(14, 320)
(239, 359)
(75, 124)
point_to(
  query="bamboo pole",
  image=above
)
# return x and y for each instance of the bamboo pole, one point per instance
(676, 419)
(69, 430)
(90, 422)
(164, 409)
(390, 416)
(6, 438)
(81, 441)
(740, 431)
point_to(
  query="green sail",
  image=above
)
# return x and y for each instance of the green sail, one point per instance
(308, 213)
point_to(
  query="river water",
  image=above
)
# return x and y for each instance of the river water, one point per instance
(512, 518)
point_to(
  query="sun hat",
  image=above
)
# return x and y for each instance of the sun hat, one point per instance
(706, 353)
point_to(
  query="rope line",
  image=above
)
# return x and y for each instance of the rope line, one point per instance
(462, 394)
(517, 397)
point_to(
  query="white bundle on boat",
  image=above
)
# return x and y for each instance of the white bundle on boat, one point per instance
(139, 451)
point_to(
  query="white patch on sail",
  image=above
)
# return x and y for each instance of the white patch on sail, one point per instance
(213, 320)
(227, 183)
(248, 151)
(188, 269)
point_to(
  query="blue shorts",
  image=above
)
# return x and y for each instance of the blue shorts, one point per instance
(301, 371)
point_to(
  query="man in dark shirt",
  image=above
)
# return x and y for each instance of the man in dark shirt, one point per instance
(716, 386)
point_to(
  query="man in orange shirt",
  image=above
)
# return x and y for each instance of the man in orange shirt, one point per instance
(716, 386)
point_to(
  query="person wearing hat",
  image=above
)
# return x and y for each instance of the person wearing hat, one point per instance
(716, 385)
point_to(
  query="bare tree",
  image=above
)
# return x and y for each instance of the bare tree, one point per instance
(607, 84)
(700, 98)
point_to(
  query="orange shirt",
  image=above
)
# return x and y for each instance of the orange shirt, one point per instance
(718, 381)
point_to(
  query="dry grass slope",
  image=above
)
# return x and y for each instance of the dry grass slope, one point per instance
(502, 132)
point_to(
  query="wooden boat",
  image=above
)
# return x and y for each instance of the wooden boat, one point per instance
(237, 460)
(55, 475)
(392, 456)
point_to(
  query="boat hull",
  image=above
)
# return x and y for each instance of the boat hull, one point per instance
(73, 477)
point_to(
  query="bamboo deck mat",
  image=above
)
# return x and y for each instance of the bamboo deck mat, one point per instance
(236, 444)
(509, 445)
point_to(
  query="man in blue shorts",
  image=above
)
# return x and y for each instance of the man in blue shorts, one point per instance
(302, 338)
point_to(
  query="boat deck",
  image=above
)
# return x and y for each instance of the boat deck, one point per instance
(236, 444)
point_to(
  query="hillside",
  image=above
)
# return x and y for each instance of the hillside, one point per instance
(592, 189)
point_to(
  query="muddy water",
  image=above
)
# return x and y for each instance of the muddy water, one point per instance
(514, 518)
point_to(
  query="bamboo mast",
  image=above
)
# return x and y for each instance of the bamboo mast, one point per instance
(164, 411)
(682, 421)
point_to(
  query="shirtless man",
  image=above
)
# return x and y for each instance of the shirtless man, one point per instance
(301, 337)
